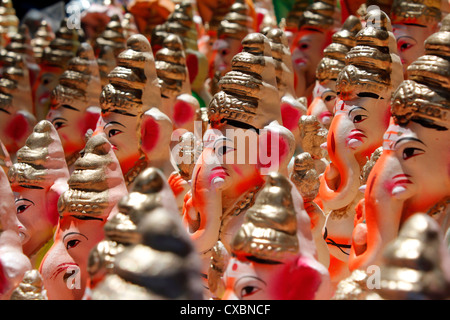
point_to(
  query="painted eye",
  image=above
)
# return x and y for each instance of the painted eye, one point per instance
(411, 152)
(72, 243)
(223, 150)
(113, 132)
(329, 98)
(22, 208)
(405, 46)
(249, 291)
(59, 125)
(303, 46)
(359, 118)
(224, 52)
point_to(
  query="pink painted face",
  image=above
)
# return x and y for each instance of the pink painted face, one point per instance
(72, 125)
(410, 42)
(423, 155)
(225, 50)
(365, 121)
(324, 100)
(306, 54)
(230, 156)
(121, 132)
(37, 219)
(64, 268)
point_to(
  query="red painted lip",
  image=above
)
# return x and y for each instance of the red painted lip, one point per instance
(300, 61)
(401, 179)
(218, 172)
(43, 96)
(220, 169)
(356, 134)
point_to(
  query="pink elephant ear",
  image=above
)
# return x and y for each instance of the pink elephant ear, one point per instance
(149, 133)
(297, 280)
(184, 110)
(20, 127)
(276, 147)
(91, 117)
(192, 65)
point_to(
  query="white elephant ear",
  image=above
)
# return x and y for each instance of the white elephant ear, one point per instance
(276, 148)
(156, 130)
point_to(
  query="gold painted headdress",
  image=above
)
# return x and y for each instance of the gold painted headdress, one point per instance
(113, 36)
(368, 63)
(133, 85)
(334, 54)
(20, 43)
(237, 22)
(269, 230)
(249, 91)
(129, 25)
(181, 23)
(15, 90)
(63, 47)
(41, 161)
(171, 66)
(42, 38)
(425, 95)
(294, 16)
(9, 22)
(417, 12)
(79, 85)
(121, 229)
(96, 185)
(163, 264)
(319, 15)
(412, 266)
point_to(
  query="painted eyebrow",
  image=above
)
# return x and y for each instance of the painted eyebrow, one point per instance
(252, 277)
(5, 111)
(222, 139)
(408, 139)
(76, 233)
(59, 118)
(357, 107)
(113, 122)
(24, 199)
(69, 107)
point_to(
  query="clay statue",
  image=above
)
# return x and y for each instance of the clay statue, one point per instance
(333, 61)
(13, 263)
(273, 254)
(361, 116)
(38, 178)
(313, 36)
(130, 105)
(227, 174)
(148, 255)
(16, 119)
(417, 138)
(412, 23)
(95, 187)
(53, 63)
(74, 106)
(42, 38)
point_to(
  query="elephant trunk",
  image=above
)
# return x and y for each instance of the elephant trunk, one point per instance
(340, 182)
(383, 212)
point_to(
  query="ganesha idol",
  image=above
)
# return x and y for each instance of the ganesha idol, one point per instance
(177, 101)
(413, 22)
(236, 24)
(74, 107)
(130, 115)
(244, 140)
(272, 252)
(95, 187)
(313, 36)
(411, 175)
(16, 118)
(365, 85)
(38, 178)
(324, 94)
(52, 64)
(13, 262)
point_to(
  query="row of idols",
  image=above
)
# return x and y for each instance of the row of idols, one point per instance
(227, 150)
